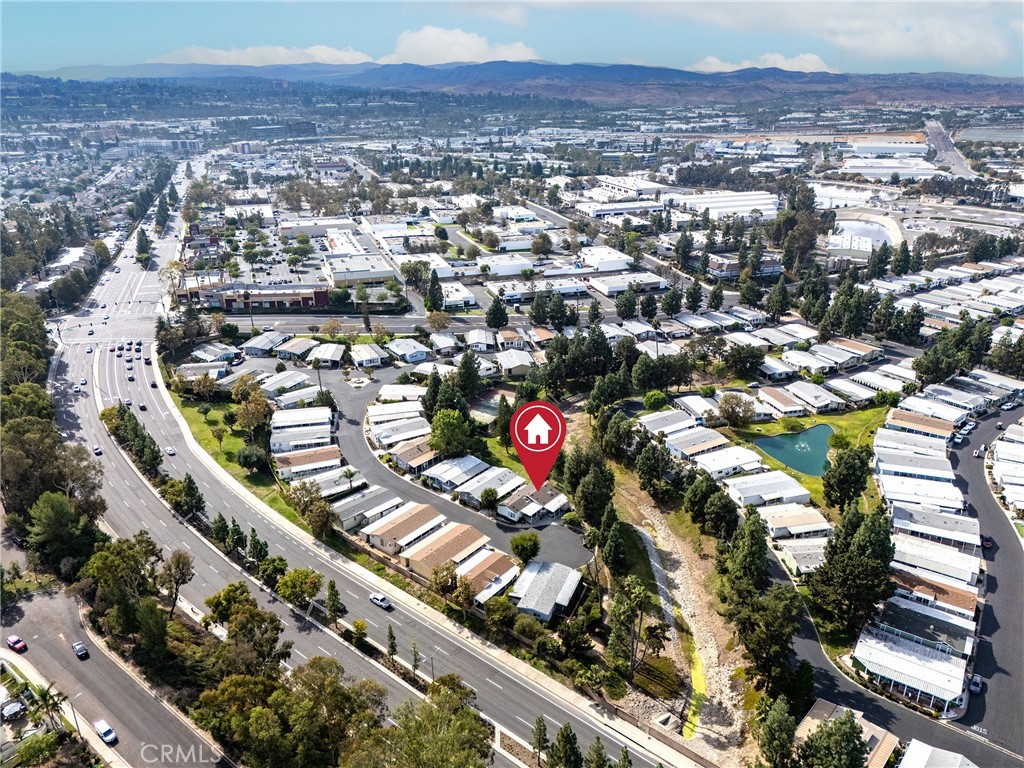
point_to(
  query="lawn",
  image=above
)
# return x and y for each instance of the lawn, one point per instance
(498, 457)
(262, 485)
(858, 426)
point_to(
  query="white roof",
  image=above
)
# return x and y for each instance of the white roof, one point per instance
(406, 347)
(735, 456)
(502, 480)
(457, 470)
(921, 755)
(308, 394)
(396, 392)
(904, 661)
(914, 490)
(850, 389)
(512, 358)
(307, 416)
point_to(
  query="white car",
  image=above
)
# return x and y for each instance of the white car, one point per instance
(381, 601)
(958, 439)
(76, 389)
(105, 731)
(82, 382)
(88, 350)
(170, 450)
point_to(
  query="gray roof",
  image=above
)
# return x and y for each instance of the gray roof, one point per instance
(544, 586)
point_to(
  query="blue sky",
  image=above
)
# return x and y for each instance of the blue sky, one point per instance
(894, 36)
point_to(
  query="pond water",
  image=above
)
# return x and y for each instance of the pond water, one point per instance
(803, 451)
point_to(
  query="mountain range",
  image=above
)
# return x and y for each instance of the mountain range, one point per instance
(612, 84)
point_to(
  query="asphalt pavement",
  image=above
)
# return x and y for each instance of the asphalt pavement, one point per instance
(98, 687)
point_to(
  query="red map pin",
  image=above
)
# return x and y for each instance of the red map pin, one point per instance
(538, 431)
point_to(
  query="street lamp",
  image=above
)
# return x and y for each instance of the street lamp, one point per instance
(75, 714)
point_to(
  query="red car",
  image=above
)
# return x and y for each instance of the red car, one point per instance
(15, 643)
(986, 542)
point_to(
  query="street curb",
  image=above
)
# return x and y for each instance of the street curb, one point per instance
(138, 678)
(584, 708)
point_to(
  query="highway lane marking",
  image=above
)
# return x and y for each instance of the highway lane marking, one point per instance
(329, 653)
(162, 523)
(352, 593)
(396, 622)
(371, 621)
(126, 502)
(145, 525)
(186, 544)
(530, 725)
(441, 650)
(494, 684)
(214, 570)
(300, 653)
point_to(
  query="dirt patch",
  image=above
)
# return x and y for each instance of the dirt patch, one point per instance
(683, 573)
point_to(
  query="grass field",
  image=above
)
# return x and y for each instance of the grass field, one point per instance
(262, 485)
(836, 644)
(500, 458)
(639, 563)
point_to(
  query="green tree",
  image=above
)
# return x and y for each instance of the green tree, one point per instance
(497, 315)
(856, 573)
(272, 569)
(565, 750)
(152, 629)
(503, 423)
(778, 303)
(38, 749)
(501, 613)
(434, 300)
(176, 572)
(299, 586)
(775, 733)
(672, 302)
(652, 464)
(332, 604)
(625, 304)
(736, 410)
(847, 477)
(525, 546)
(649, 306)
(56, 530)
(467, 377)
(392, 643)
(750, 294)
(694, 296)
(539, 741)
(220, 530)
(450, 434)
(836, 743)
(596, 756)
(557, 312)
(613, 552)
(744, 360)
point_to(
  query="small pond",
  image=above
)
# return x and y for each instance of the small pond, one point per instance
(803, 451)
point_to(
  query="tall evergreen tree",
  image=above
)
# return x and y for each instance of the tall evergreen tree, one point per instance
(777, 303)
(565, 751)
(434, 300)
(836, 743)
(716, 298)
(432, 394)
(556, 312)
(503, 423)
(497, 315)
(775, 734)
(694, 296)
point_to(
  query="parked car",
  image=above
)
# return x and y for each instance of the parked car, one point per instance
(999, 425)
(12, 710)
(958, 439)
(977, 453)
(380, 600)
(975, 686)
(105, 731)
(16, 644)
(986, 541)
(80, 650)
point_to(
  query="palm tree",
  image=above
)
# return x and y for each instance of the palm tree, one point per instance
(349, 473)
(316, 367)
(48, 704)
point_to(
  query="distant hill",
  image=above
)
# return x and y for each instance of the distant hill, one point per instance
(607, 84)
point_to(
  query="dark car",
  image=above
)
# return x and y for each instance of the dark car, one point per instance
(80, 650)
(19, 541)
(986, 542)
(152, 384)
(16, 644)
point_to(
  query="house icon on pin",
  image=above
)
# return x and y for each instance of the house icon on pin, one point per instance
(537, 431)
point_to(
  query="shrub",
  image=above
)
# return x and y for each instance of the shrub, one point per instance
(655, 400)
(528, 627)
(571, 519)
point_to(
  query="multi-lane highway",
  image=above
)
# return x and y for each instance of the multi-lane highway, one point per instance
(132, 297)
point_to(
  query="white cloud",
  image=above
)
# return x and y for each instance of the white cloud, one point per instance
(261, 55)
(434, 45)
(802, 62)
(964, 34)
(512, 14)
(429, 45)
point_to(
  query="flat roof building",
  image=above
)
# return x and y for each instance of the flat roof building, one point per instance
(545, 589)
(453, 542)
(773, 487)
(402, 528)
